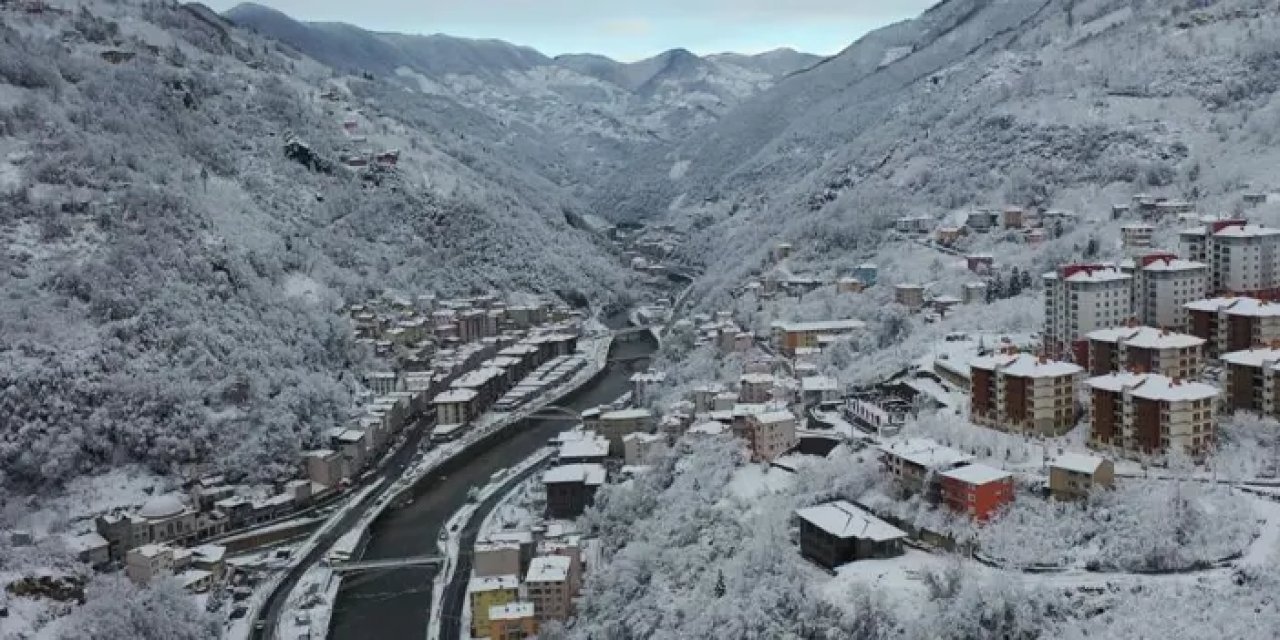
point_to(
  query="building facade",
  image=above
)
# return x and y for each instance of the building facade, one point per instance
(769, 434)
(1022, 393)
(837, 533)
(1136, 415)
(547, 584)
(1080, 298)
(1252, 383)
(977, 490)
(486, 593)
(1162, 287)
(1145, 350)
(1233, 324)
(1243, 259)
(1073, 476)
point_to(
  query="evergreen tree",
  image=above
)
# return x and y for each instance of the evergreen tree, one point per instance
(720, 588)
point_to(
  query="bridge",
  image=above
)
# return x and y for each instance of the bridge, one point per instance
(387, 563)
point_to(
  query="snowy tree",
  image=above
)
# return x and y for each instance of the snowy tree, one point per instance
(117, 609)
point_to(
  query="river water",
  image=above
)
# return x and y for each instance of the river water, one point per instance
(396, 604)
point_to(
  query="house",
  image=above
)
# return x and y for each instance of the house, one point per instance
(145, 563)
(910, 296)
(838, 532)
(850, 285)
(947, 236)
(1251, 381)
(914, 225)
(1136, 415)
(643, 384)
(571, 489)
(977, 490)
(789, 336)
(1035, 237)
(1145, 349)
(497, 559)
(1012, 217)
(769, 434)
(867, 273)
(513, 621)
(548, 587)
(582, 447)
(756, 388)
(1233, 324)
(1079, 298)
(1073, 476)
(615, 424)
(486, 592)
(781, 251)
(816, 390)
(981, 220)
(1243, 259)
(1136, 236)
(1163, 285)
(980, 263)
(381, 382)
(974, 293)
(914, 463)
(639, 448)
(90, 548)
(1022, 393)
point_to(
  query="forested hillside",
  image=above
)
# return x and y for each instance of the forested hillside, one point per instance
(1072, 104)
(178, 230)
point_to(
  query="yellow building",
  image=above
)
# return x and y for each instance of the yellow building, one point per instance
(515, 621)
(488, 592)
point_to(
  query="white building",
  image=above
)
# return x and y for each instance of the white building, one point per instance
(1243, 259)
(1079, 298)
(1137, 236)
(1162, 287)
(639, 448)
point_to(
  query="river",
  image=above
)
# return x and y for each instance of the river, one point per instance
(396, 604)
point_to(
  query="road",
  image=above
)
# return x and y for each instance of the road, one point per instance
(397, 603)
(455, 593)
(269, 614)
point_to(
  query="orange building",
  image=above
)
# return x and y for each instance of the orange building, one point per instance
(512, 621)
(977, 490)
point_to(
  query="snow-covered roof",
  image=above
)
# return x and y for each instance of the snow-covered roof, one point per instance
(548, 569)
(165, 506)
(596, 447)
(516, 537)
(626, 414)
(640, 437)
(592, 474)
(774, 417)
(1078, 462)
(351, 435)
(1025, 365)
(1252, 357)
(478, 378)
(756, 378)
(493, 583)
(1153, 386)
(85, 542)
(844, 520)
(977, 474)
(1146, 338)
(709, 428)
(210, 552)
(820, 325)
(924, 452)
(1251, 307)
(455, 395)
(1175, 264)
(820, 383)
(511, 611)
(1246, 231)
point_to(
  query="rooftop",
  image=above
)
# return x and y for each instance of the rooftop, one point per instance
(821, 325)
(1252, 357)
(593, 447)
(493, 583)
(977, 474)
(626, 414)
(1146, 338)
(592, 474)
(844, 520)
(820, 383)
(1078, 462)
(774, 417)
(455, 395)
(548, 569)
(1153, 386)
(1251, 307)
(925, 452)
(1025, 365)
(511, 611)
(1246, 231)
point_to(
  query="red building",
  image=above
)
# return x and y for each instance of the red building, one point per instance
(977, 490)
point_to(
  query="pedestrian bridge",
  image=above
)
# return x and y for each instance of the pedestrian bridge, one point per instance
(386, 563)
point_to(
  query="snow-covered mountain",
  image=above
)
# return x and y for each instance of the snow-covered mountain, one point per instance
(1057, 103)
(179, 224)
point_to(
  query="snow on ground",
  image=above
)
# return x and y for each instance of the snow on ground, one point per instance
(297, 285)
(898, 579)
(752, 481)
(87, 496)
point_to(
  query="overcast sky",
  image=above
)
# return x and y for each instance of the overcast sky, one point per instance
(624, 30)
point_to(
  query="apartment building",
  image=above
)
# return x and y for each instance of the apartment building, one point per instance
(1244, 259)
(789, 336)
(1233, 324)
(1163, 285)
(910, 296)
(323, 466)
(755, 388)
(1143, 414)
(769, 434)
(639, 448)
(547, 584)
(486, 592)
(1079, 298)
(976, 490)
(1023, 393)
(613, 425)
(456, 406)
(1252, 383)
(1144, 349)
(1072, 476)
(497, 559)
